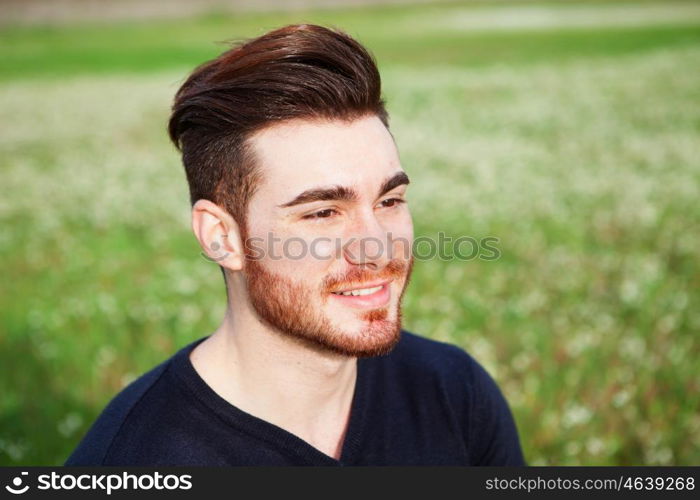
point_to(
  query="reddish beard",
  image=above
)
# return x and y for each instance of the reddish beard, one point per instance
(287, 307)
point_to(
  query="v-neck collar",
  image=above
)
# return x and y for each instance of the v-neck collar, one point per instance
(274, 436)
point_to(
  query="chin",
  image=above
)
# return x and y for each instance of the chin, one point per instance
(374, 335)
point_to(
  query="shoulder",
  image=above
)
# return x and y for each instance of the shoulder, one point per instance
(415, 352)
(448, 372)
(95, 446)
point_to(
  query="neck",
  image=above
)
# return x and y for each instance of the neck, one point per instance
(278, 379)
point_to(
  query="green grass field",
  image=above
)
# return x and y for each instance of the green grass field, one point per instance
(569, 131)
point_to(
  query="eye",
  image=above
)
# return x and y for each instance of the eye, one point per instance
(392, 202)
(321, 214)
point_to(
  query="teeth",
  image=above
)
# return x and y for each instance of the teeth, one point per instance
(361, 291)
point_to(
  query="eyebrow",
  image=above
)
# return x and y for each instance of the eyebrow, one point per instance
(341, 193)
(396, 180)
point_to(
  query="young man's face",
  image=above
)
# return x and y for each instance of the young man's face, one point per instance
(329, 217)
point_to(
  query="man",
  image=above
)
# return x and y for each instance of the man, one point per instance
(298, 194)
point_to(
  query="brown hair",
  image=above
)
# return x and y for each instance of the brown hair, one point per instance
(297, 71)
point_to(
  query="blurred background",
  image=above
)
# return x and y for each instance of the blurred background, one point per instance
(568, 130)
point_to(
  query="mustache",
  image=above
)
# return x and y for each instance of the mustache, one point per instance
(394, 269)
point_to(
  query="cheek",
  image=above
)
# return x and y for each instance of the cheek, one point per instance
(402, 234)
(302, 260)
(322, 249)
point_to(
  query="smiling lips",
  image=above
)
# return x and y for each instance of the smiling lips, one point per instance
(365, 296)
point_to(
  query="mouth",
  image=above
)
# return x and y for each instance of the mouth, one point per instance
(371, 295)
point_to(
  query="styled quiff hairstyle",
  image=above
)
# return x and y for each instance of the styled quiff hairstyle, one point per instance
(294, 72)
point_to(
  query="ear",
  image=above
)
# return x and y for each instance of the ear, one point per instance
(218, 234)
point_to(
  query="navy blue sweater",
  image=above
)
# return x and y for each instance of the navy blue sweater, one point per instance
(425, 403)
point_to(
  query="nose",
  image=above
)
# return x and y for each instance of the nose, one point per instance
(368, 244)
